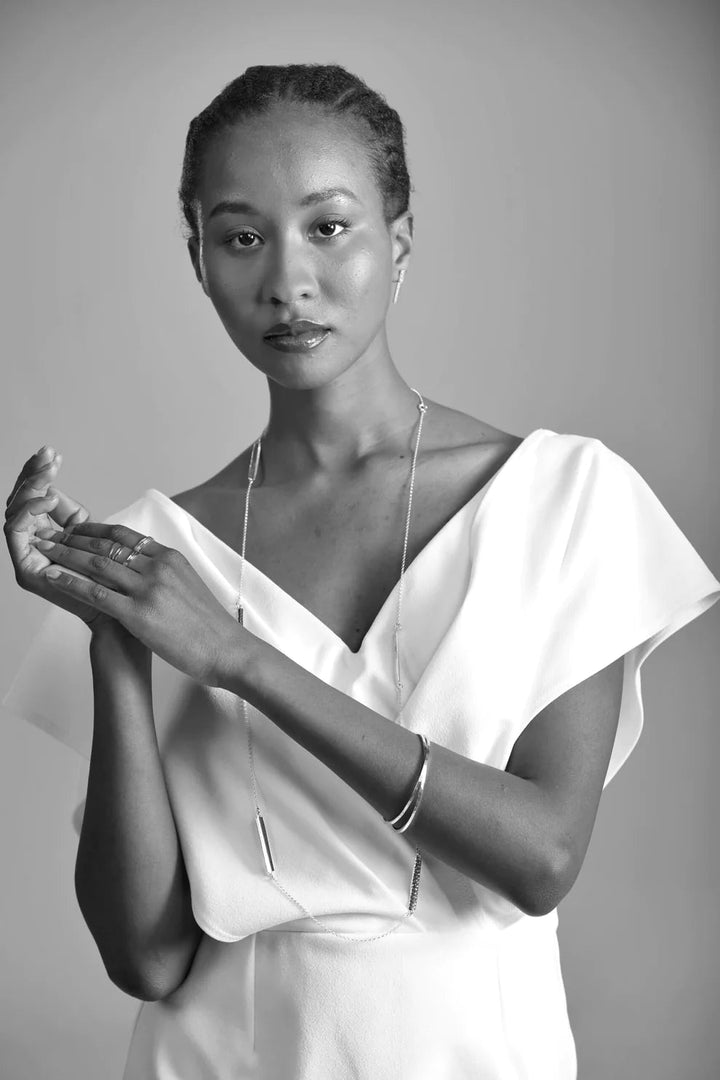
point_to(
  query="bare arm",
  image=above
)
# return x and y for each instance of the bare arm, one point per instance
(130, 878)
(522, 831)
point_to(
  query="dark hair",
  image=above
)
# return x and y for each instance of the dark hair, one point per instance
(328, 86)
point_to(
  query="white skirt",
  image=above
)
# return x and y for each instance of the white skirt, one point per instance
(289, 1005)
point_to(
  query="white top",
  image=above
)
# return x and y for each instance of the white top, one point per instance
(562, 562)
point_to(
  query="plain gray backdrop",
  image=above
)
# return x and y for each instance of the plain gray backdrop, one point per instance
(565, 159)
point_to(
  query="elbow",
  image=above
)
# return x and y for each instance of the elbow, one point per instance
(135, 987)
(157, 980)
(543, 891)
(138, 985)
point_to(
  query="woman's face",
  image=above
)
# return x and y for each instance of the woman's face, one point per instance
(278, 242)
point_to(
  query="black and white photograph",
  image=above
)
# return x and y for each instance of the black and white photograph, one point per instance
(360, 448)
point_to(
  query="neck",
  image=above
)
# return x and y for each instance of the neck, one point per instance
(331, 429)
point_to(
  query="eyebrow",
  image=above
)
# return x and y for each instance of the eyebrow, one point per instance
(237, 206)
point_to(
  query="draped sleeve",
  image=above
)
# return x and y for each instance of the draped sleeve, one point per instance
(625, 578)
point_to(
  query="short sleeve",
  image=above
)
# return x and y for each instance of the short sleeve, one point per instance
(52, 688)
(627, 579)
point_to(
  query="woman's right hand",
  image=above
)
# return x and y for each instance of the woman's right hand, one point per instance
(35, 503)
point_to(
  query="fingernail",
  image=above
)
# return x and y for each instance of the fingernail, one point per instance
(45, 452)
(53, 573)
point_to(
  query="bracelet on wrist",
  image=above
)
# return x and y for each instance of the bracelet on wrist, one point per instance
(411, 807)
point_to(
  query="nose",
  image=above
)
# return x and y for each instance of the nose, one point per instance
(289, 276)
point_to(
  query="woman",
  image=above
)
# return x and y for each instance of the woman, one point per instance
(397, 656)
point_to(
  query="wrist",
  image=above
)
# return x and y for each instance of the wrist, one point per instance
(111, 638)
(233, 669)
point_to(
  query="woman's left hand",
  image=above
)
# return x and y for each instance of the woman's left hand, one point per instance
(159, 598)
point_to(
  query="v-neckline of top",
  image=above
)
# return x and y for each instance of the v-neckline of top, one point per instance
(419, 558)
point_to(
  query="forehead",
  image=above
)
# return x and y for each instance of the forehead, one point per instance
(273, 159)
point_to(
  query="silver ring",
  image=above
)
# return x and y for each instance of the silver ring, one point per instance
(115, 551)
(137, 549)
(141, 544)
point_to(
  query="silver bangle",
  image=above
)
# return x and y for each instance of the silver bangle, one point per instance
(416, 808)
(413, 801)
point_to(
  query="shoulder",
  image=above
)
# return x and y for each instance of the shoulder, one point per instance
(453, 429)
(463, 451)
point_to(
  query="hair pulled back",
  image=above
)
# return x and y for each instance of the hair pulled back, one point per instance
(330, 87)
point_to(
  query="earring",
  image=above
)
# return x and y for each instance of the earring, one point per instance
(398, 283)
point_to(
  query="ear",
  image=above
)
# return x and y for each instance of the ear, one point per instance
(401, 234)
(194, 252)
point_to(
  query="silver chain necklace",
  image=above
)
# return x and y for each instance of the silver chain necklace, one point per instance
(259, 821)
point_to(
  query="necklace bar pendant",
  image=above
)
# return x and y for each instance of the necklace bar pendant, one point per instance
(240, 614)
(398, 679)
(265, 845)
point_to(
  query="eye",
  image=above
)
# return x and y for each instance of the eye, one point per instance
(241, 236)
(333, 223)
(245, 238)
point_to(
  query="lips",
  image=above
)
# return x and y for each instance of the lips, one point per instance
(300, 341)
(296, 328)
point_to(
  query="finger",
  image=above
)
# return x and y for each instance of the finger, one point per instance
(34, 477)
(119, 534)
(97, 550)
(68, 512)
(98, 567)
(17, 526)
(22, 518)
(35, 461)
(94, 593)
(94, 545)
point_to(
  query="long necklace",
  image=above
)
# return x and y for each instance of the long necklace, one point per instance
(259, 821)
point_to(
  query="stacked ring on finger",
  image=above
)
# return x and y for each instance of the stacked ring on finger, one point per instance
(89, 546)
(114, 552)
(137, 549)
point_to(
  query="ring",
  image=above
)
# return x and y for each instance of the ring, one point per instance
(137, 549)
(115, 551)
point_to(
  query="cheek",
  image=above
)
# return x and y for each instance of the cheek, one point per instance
(359, 278)
(226, 278)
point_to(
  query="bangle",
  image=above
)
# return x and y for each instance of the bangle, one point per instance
(414, 801)
(421, 789)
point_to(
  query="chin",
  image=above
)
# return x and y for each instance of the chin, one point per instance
(302, 371)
